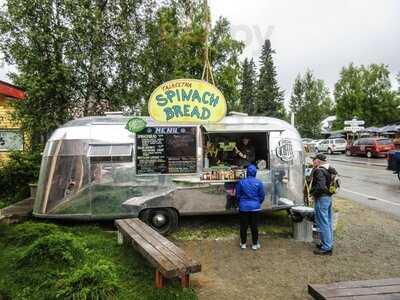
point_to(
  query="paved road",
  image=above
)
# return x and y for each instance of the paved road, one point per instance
(368, 183)
(359, 160)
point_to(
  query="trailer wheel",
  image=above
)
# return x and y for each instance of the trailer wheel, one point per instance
(164, 220)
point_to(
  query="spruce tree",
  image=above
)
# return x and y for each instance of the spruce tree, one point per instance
(247, 96)
(269, 97)
(311, 103)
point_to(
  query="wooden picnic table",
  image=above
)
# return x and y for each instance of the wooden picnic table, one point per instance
(380, 289)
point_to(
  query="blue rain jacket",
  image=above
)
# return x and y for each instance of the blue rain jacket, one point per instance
(250, 191)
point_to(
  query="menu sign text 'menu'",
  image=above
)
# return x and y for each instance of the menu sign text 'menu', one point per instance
(163, 150)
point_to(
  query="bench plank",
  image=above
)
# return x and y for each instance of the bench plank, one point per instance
(369, 297)
(362, 291)
(359, 283)
(152, 239)
(155, 258)
(190, 264)
(357, 290)
(178, 251)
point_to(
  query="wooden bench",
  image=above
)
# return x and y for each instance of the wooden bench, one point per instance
(381, 289)
(169, 260)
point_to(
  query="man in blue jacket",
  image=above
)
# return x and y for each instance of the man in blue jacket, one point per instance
(250, 194)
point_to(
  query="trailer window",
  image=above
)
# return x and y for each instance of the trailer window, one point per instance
(225, 143)
(110, 153)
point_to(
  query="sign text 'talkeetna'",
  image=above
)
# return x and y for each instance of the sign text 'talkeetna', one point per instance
(187, 101)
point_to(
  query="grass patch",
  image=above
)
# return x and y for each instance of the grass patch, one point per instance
(91, 281)
(54, 249)
(28, 232)
(74, 262)
(227, 227)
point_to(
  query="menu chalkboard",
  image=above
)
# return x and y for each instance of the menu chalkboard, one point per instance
(164, 150)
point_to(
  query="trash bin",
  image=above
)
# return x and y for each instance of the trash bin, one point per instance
(303, 220)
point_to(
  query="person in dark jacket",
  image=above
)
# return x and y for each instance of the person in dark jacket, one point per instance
(250, 194)
(321, 180)
(245, 153)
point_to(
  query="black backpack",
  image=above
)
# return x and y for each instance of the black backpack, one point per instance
(333, 183)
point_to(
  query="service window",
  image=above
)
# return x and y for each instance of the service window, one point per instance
(166, 150)
(222, 147)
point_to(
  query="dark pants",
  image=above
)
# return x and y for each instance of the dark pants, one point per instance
(231, 202)
(246, 219)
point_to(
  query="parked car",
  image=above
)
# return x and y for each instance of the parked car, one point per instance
(331, 146)
(370, 147)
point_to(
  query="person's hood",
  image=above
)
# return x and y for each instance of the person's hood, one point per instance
(251, 171)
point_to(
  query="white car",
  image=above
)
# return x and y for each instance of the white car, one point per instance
(331, 146)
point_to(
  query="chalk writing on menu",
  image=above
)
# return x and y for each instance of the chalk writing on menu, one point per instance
(163, 150)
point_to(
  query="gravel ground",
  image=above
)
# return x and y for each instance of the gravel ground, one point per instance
(367, 244)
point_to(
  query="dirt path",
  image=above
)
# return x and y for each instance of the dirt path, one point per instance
(367, 247)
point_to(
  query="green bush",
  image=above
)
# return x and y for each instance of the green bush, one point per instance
(16, 173)
(26, 233)
(5, 295)
(56, 248)
(92, 281)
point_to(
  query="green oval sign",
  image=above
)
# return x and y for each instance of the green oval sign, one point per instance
(136, 125)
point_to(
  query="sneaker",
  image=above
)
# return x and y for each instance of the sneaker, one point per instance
(319, 246)
(243, 246)
(256, 246)
(322, 252)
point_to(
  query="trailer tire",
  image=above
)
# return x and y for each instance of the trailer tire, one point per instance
(163, 220)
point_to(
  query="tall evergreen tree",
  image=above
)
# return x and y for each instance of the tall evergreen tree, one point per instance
(366, 92)
(269, 96)
(311, 103)
(79, 58)
(248, 87)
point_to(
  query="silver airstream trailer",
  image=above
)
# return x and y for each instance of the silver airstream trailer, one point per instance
(94, 168)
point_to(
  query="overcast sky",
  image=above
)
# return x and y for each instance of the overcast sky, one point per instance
(320, 35)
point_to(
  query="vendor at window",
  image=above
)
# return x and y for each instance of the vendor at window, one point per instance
(244, 152)
(214, 154)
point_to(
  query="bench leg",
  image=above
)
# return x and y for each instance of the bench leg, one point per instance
(120, 238)
(160, 281)
(184, 280)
